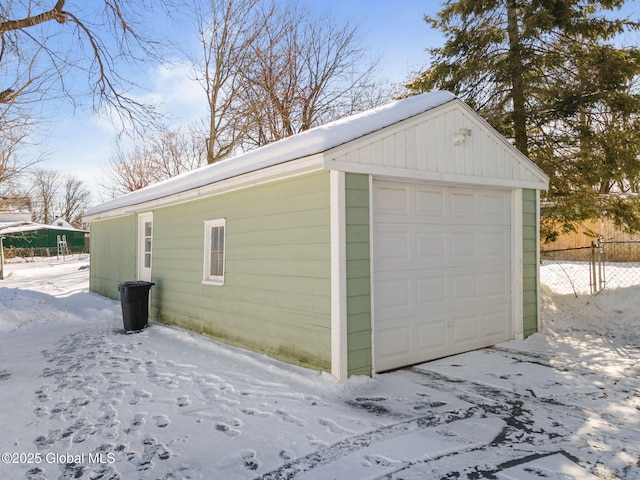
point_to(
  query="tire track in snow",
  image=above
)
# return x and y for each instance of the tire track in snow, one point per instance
(357, 443)
(534, 435)
(535, 424)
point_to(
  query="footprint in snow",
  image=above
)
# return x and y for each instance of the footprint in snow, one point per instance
(152, 449)
(227, 430)
(42, 395)
(35, 473)
(138, 420)
(285, 417)
(254, 412)
(286, 455)
(161, 420)
(41, 411)
(249, 460)
(138, 395)
(332, 426)
(183, 401)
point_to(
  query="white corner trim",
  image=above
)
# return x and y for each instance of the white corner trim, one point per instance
(338, 225)
(539, 318)
(372, 286)
(517, 327)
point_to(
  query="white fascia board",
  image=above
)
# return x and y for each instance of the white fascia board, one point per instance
(395, 173)
(258, 177)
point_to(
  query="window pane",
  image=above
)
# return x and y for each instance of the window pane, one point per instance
(147, 245)
(216, 264)
(214, 252)
(215, 238)
(147, 229)
(147, 260)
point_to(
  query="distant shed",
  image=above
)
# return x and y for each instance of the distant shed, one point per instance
(36, 239)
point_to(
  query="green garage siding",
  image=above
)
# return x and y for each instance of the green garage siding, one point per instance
(530, 261)
(44, 241)
(276, 293)
(113, 254)
(296, 214)
(358, 275)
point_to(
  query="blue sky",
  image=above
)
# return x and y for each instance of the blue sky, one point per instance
(79, 143)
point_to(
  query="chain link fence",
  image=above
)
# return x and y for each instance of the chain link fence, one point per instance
(590, 269)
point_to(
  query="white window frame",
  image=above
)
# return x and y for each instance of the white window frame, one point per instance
(207, 278)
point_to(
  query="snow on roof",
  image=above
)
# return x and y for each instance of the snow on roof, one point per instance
(19, 227)
(310, 142)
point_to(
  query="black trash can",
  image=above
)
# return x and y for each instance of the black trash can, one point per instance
(134, 298)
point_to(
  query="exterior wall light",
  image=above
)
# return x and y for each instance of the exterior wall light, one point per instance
(460, 137)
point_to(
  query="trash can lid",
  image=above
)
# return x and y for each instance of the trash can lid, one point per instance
(134, 283)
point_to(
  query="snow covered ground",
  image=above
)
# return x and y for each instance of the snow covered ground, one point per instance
(81, 399)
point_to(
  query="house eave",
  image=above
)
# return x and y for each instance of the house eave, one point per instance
(280, 171)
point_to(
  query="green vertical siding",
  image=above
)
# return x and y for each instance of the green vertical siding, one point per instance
(113, 254)
(529, 259)
(45, 240)
(358, 275)
(277, 285)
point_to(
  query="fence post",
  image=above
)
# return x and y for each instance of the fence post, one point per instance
(1, 259)
(601, 260)
(592, 268)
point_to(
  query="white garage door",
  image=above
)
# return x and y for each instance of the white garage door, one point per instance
(442, 271)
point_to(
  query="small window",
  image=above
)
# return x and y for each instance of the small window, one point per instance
(214, 251)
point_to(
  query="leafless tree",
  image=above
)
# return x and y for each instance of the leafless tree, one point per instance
(271, 70)
(130, 170)
(43, 41)
(73, 200)
(177, 151)
(227, 29)
(153, 158)
(44, 191)
(11, 166)
(309, 70)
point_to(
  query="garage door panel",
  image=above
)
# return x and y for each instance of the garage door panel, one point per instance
(463, 244)
(463, 204)
(393, 245)
(495, 323)
(492, 244)
(391, 201)
(442, 270)
(431, 293)
(429, 202)
(393, 294)
(495, 208)
(465, 330)
(430, 245)
(430, 336)
(463, 287)
(495, 285)
(393, 345)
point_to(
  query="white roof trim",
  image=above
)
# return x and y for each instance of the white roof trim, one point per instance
(310, 142)
(19, 227)
(267, 174)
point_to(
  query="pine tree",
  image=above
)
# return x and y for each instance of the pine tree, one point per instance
(550, 75)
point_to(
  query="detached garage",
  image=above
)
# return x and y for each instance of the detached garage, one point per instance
(389, 238)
